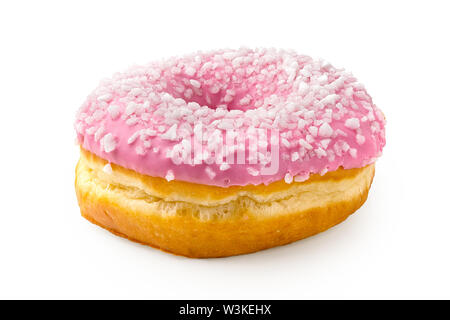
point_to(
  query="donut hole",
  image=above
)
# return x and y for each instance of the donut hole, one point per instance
(213, 93)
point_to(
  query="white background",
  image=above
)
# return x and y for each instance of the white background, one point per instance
(52, 54)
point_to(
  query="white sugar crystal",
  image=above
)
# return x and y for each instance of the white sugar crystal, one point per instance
(360, 139)
(147, 133)
(215, 139)
(313, 130)
(220, 113)
(133, 137)
(195, 83)
(175, 70)
(288, 178)
(325, 143)
(285, 142)
(301, 178)
(109, 143)
(301, 123)
(210, 173)
(352, 123)
(114, 111)
(79, 127)
(353, 152)
(90, 131)
(98, 115)
(131, 108)
(224, 166)
(201, 112)
(105, 97)
(375, 127)
(322, 79)
(135, 92)
(310, 114)
(147, 144)
(345, 146)
(179, 102)
(330, 99)
(190, 71)
(290, 107)
(214, 89)
(170, 134)
(303, 88)
(325, 130)
(295, 156)
(132, 121)
(169, 175)
(326, 65)
(252, 171)
(99, 133)
(320, 153)
(108, 169)
(228, 98)
(226, 124)
(188, 93)
(166, 97)
(305, 72)
(245, 101)
(305, 144)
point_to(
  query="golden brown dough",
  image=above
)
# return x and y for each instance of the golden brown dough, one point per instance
(207, 221)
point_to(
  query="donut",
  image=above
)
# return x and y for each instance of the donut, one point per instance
(226, 152)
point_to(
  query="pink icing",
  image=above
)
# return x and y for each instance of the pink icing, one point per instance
(146, 118)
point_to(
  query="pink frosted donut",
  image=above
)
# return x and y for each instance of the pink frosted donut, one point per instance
(231, 118)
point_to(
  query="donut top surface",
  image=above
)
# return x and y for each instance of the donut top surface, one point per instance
(232, 117)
